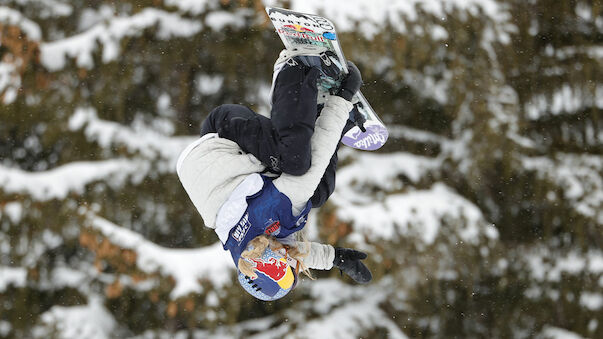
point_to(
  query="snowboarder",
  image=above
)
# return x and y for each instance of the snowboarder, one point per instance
(254, 179)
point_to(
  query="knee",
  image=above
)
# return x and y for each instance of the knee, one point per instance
(296, 165)
(209, 124)
(219, 118)
(218, 112)
(224, 110)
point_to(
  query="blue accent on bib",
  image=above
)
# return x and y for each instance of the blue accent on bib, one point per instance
(268, 212)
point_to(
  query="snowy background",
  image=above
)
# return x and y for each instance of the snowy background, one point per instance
(482, 215)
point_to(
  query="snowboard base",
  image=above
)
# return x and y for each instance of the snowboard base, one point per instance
(311, 31)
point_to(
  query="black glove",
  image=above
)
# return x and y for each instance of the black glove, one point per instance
(348, 261)
(351, 84)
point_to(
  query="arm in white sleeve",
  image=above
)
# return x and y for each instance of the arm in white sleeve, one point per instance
(327, 133)
(319, 257)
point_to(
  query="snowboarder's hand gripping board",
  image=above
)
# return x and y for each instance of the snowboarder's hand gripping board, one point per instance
(313, 32)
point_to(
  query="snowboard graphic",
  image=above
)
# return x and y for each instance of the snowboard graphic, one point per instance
(313, 31)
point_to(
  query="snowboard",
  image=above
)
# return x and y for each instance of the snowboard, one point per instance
(312, 31)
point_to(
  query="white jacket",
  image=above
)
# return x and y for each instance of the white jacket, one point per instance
(218, 175)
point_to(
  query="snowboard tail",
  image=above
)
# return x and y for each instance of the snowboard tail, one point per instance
(310, 31)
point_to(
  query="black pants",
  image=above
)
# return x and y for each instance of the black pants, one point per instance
(282, 143)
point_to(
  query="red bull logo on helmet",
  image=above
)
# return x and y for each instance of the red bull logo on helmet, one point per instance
(277, 270)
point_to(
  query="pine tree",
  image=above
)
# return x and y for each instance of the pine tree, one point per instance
(481, 215)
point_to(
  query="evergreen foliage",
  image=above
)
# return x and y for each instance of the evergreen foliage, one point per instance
(482, 216)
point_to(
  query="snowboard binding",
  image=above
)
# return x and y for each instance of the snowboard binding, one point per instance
(327, 62)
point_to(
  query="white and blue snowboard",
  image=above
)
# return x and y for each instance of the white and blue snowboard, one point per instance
(309, 30)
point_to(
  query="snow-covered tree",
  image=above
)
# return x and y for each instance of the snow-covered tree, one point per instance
(482, 215)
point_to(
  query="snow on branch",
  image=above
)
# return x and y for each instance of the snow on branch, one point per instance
(186, 266)
(370, 171)
(92, 321)
(565, 53)
(431, 83)
(192, 6)
(550, 267)
(347, 311)
(47, 8)
(344, 311)
(405, 132)
(567, 99)
(578, 175)
(109, 35)
(416, 214)
(215, 18)
(352, 319)
(15, 276)
(15, 18)
(57, 183)
(10, 81)
(19, 47)
(554, 332)
(144, 140)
